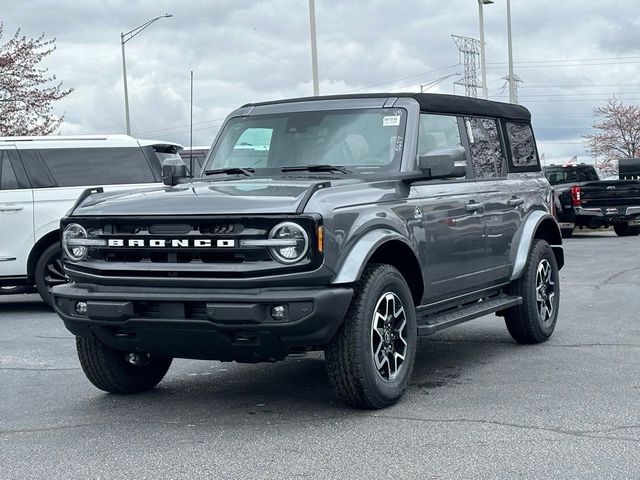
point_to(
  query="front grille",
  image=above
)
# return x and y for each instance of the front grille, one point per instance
(187, 233)
(181, 257)
(190, 248)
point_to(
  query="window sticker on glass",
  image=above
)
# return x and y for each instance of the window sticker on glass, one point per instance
(391, 121)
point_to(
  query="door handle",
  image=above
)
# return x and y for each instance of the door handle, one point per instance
(9, 207)
(514, 202)
(474, 207)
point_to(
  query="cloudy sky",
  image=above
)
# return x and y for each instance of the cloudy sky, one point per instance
(571, 56)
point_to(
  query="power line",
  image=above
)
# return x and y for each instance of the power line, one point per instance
(569, 65)
(540, 85)
(564, 128)
(403, 78)
(569, 60)
(178, 127)
(581, 100)
(534, 95)
(154, 132)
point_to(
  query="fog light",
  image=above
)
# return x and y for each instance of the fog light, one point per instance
(278, 312)
(81, 308)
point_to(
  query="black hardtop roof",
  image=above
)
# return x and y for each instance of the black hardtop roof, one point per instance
(431, 102)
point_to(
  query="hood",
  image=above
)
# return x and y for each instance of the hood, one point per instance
(256, 196)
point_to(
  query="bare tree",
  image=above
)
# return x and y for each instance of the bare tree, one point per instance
(617, 134)
(27, 91)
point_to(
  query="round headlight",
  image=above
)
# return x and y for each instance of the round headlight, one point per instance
(73, 231)
(297, 242)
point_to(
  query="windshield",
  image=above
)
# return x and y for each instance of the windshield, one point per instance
(363, 141)
(559, 175)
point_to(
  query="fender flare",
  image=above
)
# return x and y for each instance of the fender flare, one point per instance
(524, 238)
(358, 256)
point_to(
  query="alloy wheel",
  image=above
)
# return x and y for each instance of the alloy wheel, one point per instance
(545, 291)
(388, 336)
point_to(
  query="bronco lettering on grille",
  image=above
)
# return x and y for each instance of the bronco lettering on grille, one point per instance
(173, 243)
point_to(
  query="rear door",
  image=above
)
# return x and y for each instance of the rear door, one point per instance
(16, 215)
(504, 199)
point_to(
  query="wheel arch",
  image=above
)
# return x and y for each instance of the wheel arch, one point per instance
(383, 246)
(41, 245)
(538, 225)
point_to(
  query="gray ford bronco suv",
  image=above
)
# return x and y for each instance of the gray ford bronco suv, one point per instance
(351, 224)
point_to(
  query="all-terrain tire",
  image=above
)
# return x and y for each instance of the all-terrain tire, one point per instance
(624, 230)
(357, 377)
(109, 369)
(535, 319)
(49, 272)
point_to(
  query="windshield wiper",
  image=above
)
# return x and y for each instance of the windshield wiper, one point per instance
(316, 168)
(231, 171)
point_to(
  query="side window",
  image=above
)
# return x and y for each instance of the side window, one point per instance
(437, 132)
(8, 179)
(486, 150)
(38, 174)
(523, 148)
(73, 167)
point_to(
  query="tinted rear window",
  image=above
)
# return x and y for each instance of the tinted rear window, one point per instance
(8, 179)
(558, 175)
(72, 167)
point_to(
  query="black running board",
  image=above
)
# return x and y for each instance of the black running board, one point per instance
(434, 323)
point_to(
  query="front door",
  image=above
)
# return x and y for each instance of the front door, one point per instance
(454, 246)
(452, 216)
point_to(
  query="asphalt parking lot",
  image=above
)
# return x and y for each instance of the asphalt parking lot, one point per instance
(479, 406)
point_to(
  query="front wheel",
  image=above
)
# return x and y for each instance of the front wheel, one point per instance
(539, 286)
(115, 371)
(624, 230)
(371, 356)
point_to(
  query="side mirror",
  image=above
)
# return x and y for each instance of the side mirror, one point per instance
(444, 162)
(173, 169)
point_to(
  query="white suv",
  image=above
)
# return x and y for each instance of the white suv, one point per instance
(41, 178)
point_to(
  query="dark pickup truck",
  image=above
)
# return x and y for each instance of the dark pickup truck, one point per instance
(583, 200)
(350, 224)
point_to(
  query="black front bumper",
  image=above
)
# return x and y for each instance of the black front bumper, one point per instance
(212, 324)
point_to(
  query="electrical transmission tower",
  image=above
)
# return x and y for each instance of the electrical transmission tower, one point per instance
(470, 52)
(513, 86)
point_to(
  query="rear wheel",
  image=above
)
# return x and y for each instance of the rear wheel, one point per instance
(624, 230)
(49, 272)
(371, 356)
(535, 319)
(115, 371)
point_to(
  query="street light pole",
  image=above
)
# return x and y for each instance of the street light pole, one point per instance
(126, 92)
(512, 80)
(483, 62)
(314, 47)
(124, 38)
